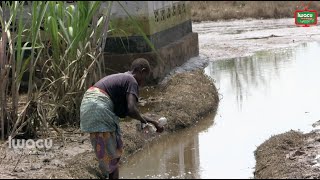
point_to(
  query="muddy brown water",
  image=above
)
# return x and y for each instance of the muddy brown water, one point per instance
(262, 95)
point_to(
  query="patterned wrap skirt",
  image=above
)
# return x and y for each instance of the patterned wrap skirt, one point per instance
(98, 119)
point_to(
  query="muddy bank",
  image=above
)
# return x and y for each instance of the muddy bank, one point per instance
(184, 100)
(239, 38)
(291, 155)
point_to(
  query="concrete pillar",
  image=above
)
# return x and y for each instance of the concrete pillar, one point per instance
(167, 24)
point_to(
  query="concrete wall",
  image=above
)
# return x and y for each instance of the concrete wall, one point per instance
(168, 26)
(168, 57)
(153, 16)
(162, 21)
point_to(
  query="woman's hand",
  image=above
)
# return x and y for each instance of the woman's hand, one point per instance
(160, 129)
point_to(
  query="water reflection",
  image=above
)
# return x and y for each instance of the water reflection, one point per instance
(263, 95)
(244, 74)
(174, 156)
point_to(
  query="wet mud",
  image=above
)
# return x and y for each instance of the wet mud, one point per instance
(184, 100)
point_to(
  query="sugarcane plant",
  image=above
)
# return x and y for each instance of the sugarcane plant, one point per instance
(12, 66)
(65, 44)
(60, 47)
(74, 37)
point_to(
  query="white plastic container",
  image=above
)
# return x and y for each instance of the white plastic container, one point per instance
(163, 121)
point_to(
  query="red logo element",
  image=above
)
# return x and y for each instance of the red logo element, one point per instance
(306, 17)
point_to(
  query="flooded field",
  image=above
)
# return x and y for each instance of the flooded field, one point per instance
(262, 95)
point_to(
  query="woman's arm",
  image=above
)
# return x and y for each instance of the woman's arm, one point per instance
(134, 113)
(132, 108)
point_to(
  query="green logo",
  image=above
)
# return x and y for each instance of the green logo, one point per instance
(306, 17)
